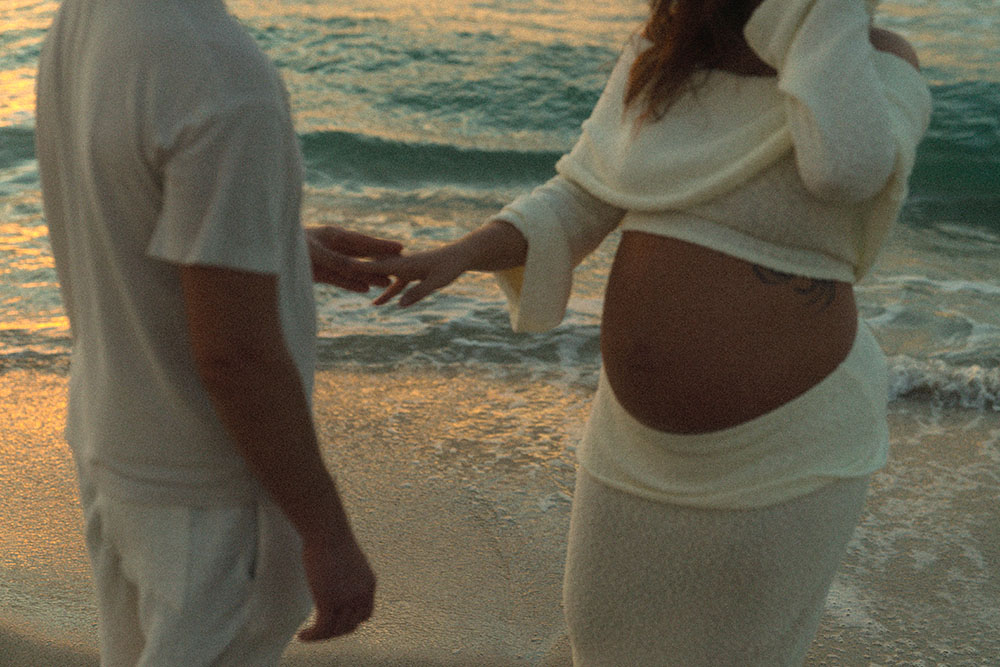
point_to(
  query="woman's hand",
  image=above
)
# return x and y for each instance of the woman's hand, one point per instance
(433, 269)
(495, 246)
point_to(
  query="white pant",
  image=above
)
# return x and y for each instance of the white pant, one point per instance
(192, 586)
(654, 584)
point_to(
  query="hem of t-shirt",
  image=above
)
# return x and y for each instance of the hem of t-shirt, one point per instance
(237, 263)
(221, 491)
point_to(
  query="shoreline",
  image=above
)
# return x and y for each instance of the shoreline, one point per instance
(459, 486)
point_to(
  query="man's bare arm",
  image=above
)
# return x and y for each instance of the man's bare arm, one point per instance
(240, 353)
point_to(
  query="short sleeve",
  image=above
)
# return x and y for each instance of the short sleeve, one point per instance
(231, 190)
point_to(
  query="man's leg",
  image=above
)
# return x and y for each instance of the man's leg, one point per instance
(210, 586)
(119, 633)
(281, 599)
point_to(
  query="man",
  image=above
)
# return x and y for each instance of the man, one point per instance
(172, 179)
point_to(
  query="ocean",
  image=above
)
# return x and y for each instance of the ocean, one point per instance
(420, 118)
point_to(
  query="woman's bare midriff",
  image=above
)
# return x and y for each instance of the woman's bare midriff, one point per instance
(696, 341)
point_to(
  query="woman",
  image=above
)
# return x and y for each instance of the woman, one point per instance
(754, 154)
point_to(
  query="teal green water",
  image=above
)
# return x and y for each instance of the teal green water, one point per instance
(419, 119)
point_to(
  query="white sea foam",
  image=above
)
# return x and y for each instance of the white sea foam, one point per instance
(946, 286)
(972, 387)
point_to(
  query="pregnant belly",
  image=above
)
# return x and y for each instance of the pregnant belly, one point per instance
(695, 341)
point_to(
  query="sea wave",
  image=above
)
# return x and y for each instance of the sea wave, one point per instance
(17, 146)
(954, 180)
(957, 172)
(372, 161)
(972, 387)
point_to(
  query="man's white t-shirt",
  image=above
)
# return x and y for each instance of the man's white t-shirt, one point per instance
(164, 138)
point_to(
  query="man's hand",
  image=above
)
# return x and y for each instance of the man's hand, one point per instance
(342, 585)
(334, 252)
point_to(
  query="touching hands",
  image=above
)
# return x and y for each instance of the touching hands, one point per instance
(335, 254)
(496, 246)
(433, 269)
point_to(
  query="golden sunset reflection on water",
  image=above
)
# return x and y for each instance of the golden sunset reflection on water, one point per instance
(961, 37)
(17, 92)
(35, 324)
(547, 21)
(970, 34)
(27, 20)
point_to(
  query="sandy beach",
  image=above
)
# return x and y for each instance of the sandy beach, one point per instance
(460, 582)
(467, 534)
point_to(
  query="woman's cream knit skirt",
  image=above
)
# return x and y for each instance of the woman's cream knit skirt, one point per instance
(654, 585)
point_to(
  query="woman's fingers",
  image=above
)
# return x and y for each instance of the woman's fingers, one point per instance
(411, 296)
(397, 286)
(418, 292)
(430, 270)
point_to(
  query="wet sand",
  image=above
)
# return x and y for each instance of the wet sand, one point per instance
(459, 488)
(460, 583)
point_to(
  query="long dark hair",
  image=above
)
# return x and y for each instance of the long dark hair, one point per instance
(688, 36)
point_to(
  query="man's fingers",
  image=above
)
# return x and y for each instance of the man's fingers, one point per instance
(356, 244)
(336, 624)
(327, 624)
(360, 613)
(324, 627)
(388, 266)
(335, 268)
(350, 283)
(353, 281)
(355, 620)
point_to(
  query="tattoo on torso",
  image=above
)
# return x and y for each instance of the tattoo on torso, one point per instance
(818, 291)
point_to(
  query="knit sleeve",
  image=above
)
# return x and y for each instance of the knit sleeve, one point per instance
(562, 223)
(836, 105)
